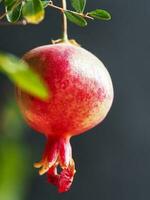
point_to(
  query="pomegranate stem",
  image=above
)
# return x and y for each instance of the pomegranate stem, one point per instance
(65, 32)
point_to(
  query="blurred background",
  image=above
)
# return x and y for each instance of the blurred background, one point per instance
(113, 159)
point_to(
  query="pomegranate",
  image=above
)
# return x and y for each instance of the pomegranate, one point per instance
(81, 96)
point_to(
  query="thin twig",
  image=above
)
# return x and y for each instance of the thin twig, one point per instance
(64, 24)
(3, 15)
(23, 22)
(63, 10)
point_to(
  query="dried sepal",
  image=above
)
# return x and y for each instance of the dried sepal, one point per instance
(58, 153)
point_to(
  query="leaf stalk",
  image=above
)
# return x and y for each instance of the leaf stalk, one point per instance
(63, 10)
(65, 26)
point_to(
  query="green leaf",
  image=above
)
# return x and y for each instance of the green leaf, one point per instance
(9, 2)
(14, 15)
(45, 3)
(13, 9)
(76, 19)
(78, 5)
(33, 11)
(100, 14)
(19, 72)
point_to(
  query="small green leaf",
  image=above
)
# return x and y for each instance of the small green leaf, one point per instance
(33, 11)
(9, 2)
(76, 19)
(19, 72)
(13, 9)
(78, 5)
(100, 14)
(15, 14)
(45, 3)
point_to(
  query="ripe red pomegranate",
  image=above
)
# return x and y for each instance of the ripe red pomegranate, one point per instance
(81, 96)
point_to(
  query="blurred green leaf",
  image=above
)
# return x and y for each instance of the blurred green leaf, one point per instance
(14, 170)
(19, 72)
(76, 19)
(13, 9)
(11, 119)
(45, 3)
(100, 14)
(78, 5)
(14, 154)
(9, 2)
(33, 11)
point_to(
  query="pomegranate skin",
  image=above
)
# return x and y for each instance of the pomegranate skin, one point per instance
(81, 96)
(80, 86)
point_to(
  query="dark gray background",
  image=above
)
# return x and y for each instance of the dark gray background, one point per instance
(113, 159)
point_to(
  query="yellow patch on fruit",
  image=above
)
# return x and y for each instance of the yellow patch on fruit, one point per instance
(98, 114)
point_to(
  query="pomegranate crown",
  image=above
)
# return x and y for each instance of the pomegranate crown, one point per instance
(58, 153)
